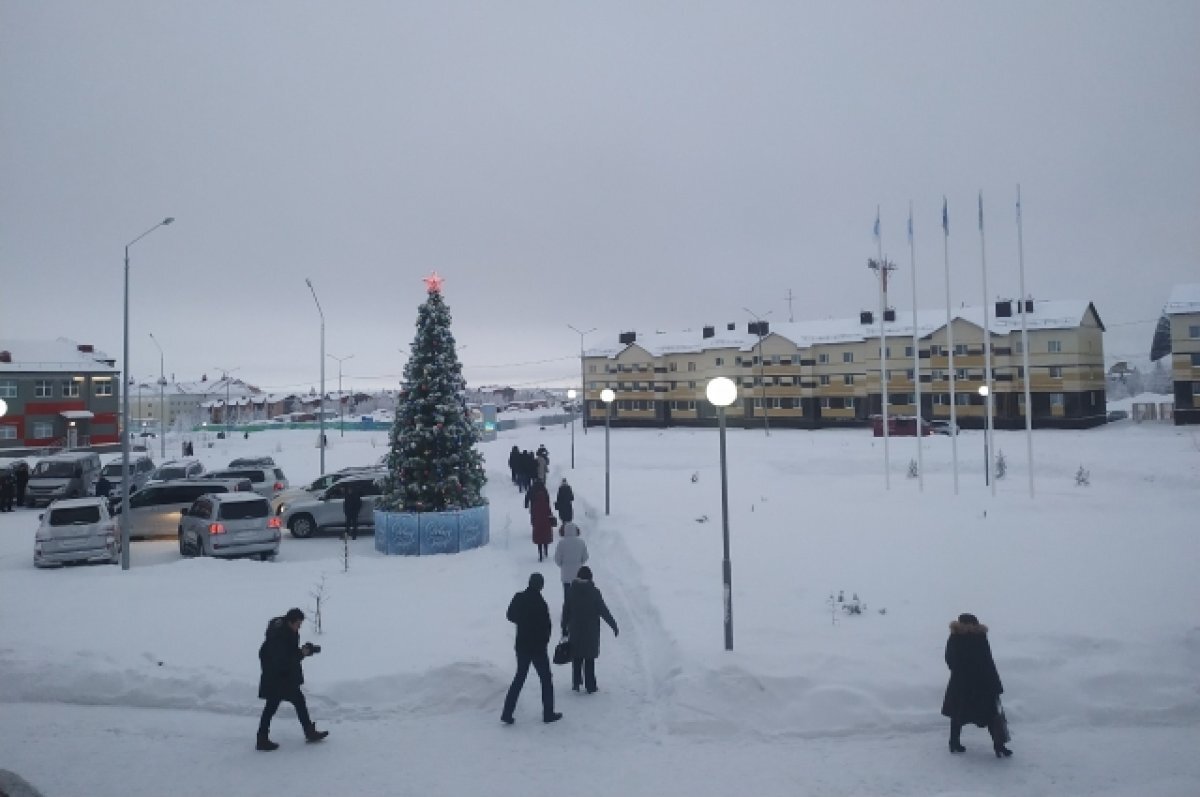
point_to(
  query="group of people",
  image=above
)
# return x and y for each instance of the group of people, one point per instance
(529, 473)
(528, 466)
(12, 486)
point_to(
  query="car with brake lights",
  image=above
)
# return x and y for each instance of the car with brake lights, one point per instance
(229, 525)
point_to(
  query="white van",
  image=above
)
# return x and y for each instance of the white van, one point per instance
(70, 474)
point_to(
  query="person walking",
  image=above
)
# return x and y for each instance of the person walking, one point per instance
(570, 554)
(21, 476)
(542, 464)
(582, 613)
(8, 489)
(103, 487)
(528, 611)
(974, 690)
(514, 464)
(280, 657)
(352, 506)
(542, 520)
(563, 502)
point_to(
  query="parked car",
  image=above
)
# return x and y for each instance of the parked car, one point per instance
(154, 510)
(323, 512)
(1117, 415)
(229, 524)
(178, 469)
(252, 462)
(281, 500)
(942, 427)
(266, 481)
(71, 474)
(76, 530)
(141, 468)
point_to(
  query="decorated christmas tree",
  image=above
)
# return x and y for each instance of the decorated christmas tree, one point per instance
(433, 465)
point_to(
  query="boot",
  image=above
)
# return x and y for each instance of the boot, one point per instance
(554, 716)
(311, 734)
(265, 744)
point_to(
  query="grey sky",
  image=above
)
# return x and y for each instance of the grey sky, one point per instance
(621, 165)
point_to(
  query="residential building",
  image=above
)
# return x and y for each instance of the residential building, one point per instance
(1183, 311)
(58, 393)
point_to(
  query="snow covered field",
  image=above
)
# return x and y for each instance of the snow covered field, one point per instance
(143, 682)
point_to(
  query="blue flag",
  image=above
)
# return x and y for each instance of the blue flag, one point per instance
(945, 217)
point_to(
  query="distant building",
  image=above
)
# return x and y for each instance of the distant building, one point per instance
(1183, 310)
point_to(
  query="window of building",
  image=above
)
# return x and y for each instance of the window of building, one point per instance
(909, 374)
(1194, 331)
(747, 382)
(823, 358)
(674, 366)
(847, 379)
(758, 404)
(104, 387)
(720, 361)
(960, 349)
(1018, 347)
(1056, 399)
(1054, 346)
(8, 431)
(887, 351)
(941, 398)
(8, 388)
(775, 403)
(42, 429)
(847, 356)
(1196, 360)
(908, 351)
(70, 388)
(824, 403)
(43, 388)
(691, 366)
(824, 379)
(850, 403)
(936, 351)
(960, 373)
(962, 399)
(1056, 372)
(737, 360)
(592, 369)
(938, 375)
(691, 385)
(900, 398)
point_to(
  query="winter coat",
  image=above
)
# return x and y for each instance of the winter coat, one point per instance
(582, 613)
(562, 502)
(543, 466)
(540, 517)
(528, 610)
(280, 657)
(974, 683)
(514, 459)
(352, 504)
(571, 553)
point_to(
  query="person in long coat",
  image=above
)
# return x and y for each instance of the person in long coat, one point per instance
(537, 500)
(541, 463)
(582, 613)
(280, 657)
(973, 693)
(563, 502)
(570, 554)
(21, 475)
(514, 464)
(351, 507)
(8, 490)
(529, 612)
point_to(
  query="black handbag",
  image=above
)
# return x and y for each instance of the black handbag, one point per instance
(562, 651)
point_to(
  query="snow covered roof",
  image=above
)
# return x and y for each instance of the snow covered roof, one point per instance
(1184, 299)
(54, 355)
(1047, 314)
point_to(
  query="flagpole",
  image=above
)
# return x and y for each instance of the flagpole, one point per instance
(912, 259)
(987, 357)
(950, 343)
(883, 391)
(1025, 345)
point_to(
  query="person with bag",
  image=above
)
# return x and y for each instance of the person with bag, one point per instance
(542, 520)
(280, 657)
(582, 613)
(973, 693)
(528, 611)
(563, 502)
(570, 554)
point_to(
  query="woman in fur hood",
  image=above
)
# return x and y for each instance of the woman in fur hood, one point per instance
(974, 689)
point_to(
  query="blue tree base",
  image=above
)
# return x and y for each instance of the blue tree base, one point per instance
(424, 533)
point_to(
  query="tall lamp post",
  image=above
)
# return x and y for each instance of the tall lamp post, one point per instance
(722, 392)
(582, 378)
(341, 398)
(607, 396)
(321, 420)
(126, 519)
(571, 397)
(162, 406)
(984, 391)
(762, 381)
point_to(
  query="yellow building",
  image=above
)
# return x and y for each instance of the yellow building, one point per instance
(1183, 311)
(814, 374)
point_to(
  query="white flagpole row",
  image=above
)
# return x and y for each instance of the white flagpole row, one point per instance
(883, 388)
(912, 258)
(1025, 346)
(987, 357)
(950, 344)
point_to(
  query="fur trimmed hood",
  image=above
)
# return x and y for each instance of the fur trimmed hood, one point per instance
(957, 627)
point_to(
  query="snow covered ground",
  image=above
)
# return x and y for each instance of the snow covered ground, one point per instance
(143, 682)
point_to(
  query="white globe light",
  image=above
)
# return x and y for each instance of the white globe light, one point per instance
(571, 394)
(3, 407)
(721, 391)
(983, 390)
(607, 396)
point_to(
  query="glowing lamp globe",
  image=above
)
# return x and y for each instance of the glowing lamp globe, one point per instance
(607, 396)
(721, 391)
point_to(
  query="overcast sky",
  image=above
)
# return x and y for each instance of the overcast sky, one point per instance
(622, 165)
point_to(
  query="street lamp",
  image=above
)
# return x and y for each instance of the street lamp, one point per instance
(582, 378)
(127, 519)
(162, 407)
(571, 397)
(607, 396)
(341, 398)
(321, 423)
(987, 474)
(722, 392)
(762, 381)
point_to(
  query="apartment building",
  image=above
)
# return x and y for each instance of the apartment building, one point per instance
(57, 393)
(1183, 312)
(815, 374)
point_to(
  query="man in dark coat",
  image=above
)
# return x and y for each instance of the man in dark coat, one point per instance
(514, 465)
(582, 612)
(8, 490)
(563, 501)
(351, 506)
(529, 612)
(974, 689)
(281, 655)
(21, 475)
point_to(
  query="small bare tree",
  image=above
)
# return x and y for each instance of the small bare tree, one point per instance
(321, 596)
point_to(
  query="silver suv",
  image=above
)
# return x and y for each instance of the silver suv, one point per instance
(76, 530)
(229, 524)
(154, 510)
(177, 469)
(324, 511)
(266, 481)
(282, 500)
(141, 467)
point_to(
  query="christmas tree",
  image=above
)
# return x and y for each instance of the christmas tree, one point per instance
(433, 465)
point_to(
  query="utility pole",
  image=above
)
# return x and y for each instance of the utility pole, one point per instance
(582, 376)
(789, 298)
(762, 381)
(341, 398)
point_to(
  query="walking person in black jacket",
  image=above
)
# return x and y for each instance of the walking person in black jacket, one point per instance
(280, 656)
(974, 690)
(529, 612)
(351, 506)
(563, 502)
(583, 610)
(514, 464)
